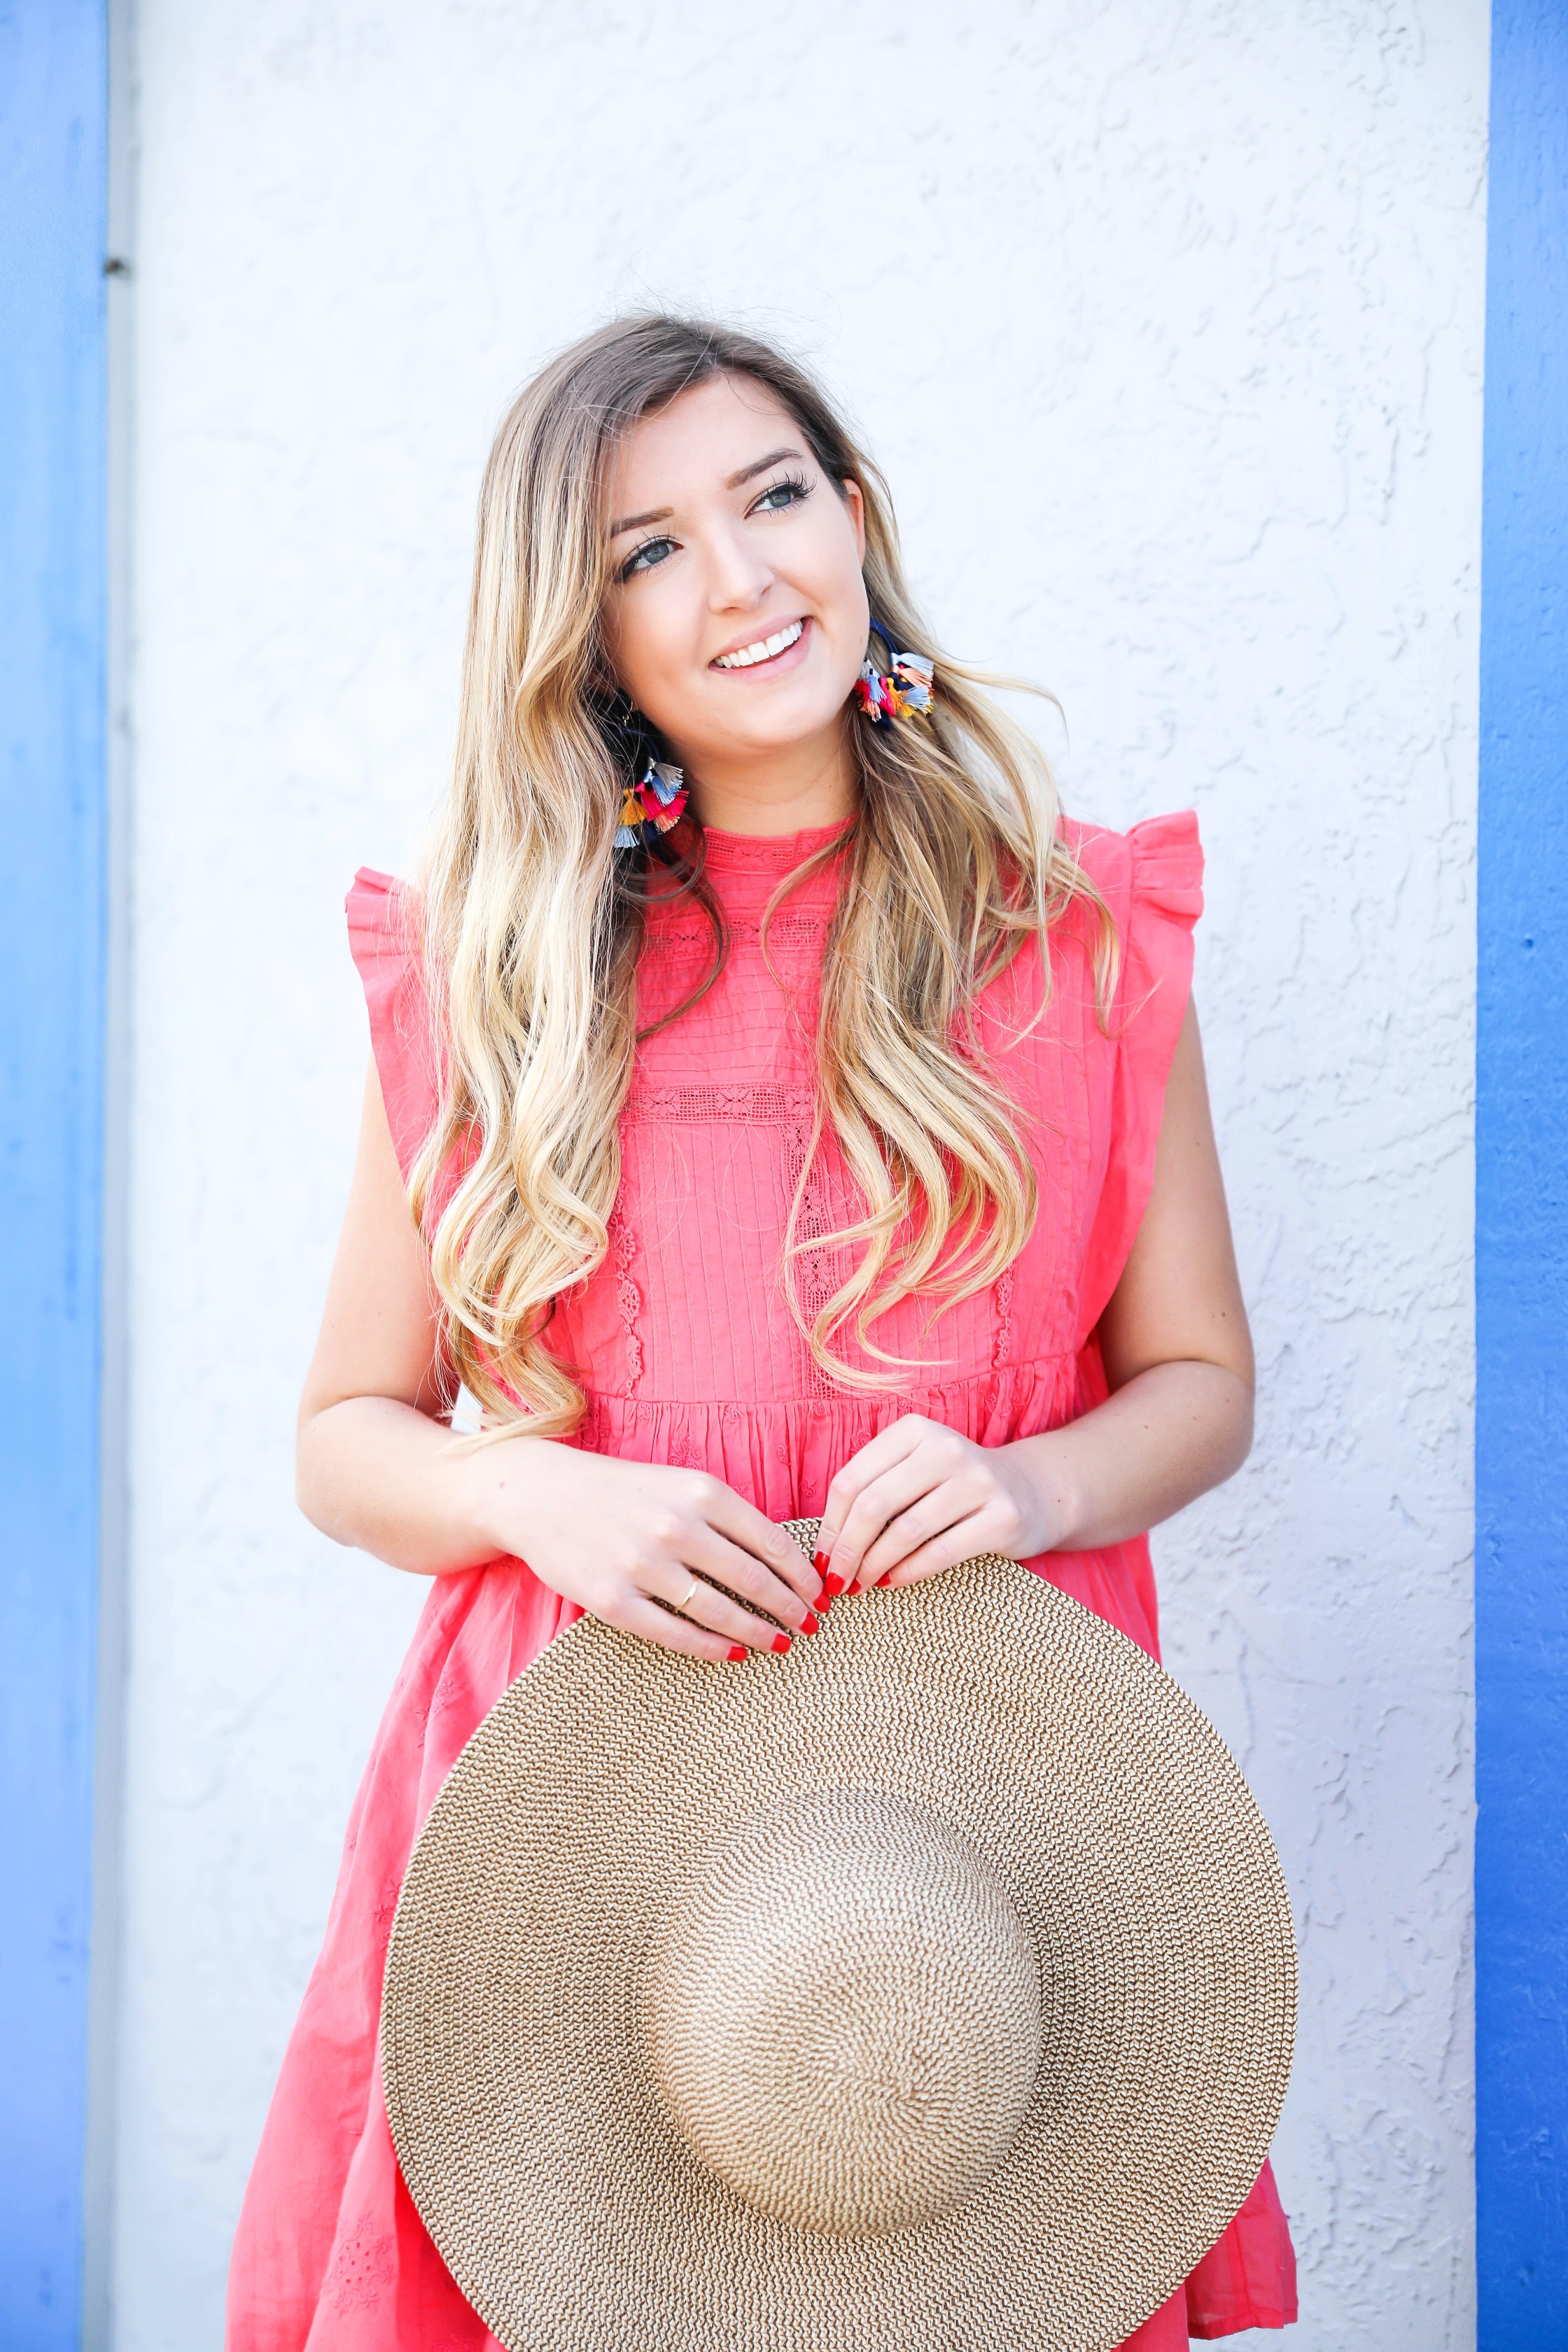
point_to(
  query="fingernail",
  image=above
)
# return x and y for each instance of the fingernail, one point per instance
(819, 1561)
(780, 1643)
(832, 1586)
(824, 1603)
(885, 1579)
(809, 1623)
(736, 1653)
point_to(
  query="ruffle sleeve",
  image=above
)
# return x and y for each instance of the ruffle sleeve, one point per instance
(384, 942)
(1151, 879)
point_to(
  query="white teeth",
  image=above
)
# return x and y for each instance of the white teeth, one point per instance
(763, 650)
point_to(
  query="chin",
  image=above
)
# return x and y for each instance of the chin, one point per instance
(795, 720)
(777, 742)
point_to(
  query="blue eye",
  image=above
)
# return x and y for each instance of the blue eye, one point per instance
(644, 558)
(779, 495)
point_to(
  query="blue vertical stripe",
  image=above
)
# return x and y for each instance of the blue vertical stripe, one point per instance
(53, 155)
(1522, 1205)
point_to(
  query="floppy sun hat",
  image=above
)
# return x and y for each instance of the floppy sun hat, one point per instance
(931, 1985)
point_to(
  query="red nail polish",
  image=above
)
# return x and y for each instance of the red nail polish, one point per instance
(736, 1653)
(808, 1623)
(885, 1579)
(780, 1642)
(824, 1603)
(819, 1561)
(832, 1586)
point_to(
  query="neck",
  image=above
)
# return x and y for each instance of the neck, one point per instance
(776, 791)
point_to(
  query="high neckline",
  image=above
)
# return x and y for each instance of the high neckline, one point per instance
(770, 852)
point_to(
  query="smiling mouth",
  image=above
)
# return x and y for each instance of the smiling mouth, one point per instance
(765, 649)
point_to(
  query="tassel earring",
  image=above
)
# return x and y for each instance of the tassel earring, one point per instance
(654, 805)
(903, 690)
(654, 794)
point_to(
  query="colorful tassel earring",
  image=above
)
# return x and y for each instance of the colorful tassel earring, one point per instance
(903, 690)
(655, 795)
(654, 805)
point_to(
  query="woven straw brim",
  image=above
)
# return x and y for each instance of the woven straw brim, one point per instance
(537, 2150)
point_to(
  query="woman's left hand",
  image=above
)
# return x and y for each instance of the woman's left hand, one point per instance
(919, 1498)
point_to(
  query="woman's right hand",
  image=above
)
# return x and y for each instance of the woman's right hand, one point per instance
(618, 1538)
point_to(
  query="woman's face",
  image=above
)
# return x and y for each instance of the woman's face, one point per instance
(736, 619)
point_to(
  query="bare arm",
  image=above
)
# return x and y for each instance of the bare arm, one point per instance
(1178, 1359)
(377, 1466)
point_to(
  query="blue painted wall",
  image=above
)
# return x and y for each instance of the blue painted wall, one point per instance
(1522, 1205)
(53, 152)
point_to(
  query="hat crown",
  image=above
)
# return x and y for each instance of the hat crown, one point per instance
(842, 2012)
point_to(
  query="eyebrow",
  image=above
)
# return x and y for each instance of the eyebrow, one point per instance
(635, 522)
(662, 514)
(761, 465)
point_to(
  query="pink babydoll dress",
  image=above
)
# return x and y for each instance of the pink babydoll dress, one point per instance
(689, 1356)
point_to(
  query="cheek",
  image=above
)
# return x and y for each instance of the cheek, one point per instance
(832, 550)
(838, 591)
(838, 586)
(639, 640)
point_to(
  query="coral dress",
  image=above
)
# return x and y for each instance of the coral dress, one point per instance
(689, 1356)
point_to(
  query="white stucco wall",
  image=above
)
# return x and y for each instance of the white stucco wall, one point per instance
(1164, 316)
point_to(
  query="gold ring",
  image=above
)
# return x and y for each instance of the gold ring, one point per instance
(688, 1595)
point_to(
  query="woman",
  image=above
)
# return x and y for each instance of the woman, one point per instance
(819, 1128)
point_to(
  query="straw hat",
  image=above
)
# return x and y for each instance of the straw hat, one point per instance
(929, 1986)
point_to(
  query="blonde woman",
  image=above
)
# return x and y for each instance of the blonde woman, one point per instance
(777, 1108)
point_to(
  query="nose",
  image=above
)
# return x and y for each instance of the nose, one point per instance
(739, 574)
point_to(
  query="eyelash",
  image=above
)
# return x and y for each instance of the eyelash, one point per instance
(796, 484)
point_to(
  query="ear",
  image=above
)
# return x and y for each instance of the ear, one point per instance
(857, 506)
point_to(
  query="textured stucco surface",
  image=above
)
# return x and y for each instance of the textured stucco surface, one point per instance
(1165, 322)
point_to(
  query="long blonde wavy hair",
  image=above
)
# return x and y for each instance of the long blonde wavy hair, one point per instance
(532, 922)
